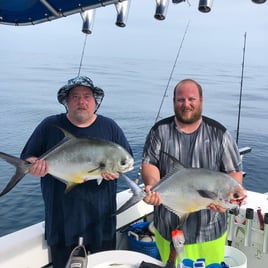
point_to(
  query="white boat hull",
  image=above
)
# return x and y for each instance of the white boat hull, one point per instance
(27, 247)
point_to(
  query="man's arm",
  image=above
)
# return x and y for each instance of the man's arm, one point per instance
(151, 176)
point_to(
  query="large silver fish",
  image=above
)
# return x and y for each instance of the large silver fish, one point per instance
(186, 190)
(76, 160)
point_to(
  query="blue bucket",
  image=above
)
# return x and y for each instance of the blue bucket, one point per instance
(139, 231)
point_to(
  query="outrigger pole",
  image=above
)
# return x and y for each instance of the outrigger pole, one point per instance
(241, 89)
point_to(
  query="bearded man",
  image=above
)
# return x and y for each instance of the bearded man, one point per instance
(196, 141)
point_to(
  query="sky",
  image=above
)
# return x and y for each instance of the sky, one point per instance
(215, 36)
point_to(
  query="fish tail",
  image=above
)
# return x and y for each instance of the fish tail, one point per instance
(22, 168)
(138, 195)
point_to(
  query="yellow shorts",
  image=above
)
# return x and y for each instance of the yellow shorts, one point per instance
(211, 251)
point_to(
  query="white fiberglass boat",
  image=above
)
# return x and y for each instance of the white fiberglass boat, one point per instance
(27, 247)
(248, 231)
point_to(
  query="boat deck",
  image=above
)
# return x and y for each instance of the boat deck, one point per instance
(27, 247)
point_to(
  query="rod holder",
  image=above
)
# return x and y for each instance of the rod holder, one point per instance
(265, 234)
(205, 5)
(88, 17)
(161, 9)
(248, 232)
(231, 227)
(122, 9)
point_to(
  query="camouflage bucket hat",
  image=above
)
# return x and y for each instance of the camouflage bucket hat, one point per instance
(80, 81)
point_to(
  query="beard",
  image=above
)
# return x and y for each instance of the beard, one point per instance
(188, 118)
(81, 116)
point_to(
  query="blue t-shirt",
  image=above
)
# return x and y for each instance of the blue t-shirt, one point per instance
(88, 208)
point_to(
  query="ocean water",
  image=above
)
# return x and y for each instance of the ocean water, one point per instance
(134, 89)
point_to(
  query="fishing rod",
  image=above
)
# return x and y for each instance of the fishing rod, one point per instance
(165, 92)
(172, 70)
(241, 89)
(82, 56)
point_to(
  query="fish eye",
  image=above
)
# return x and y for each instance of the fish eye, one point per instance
(102, 165)
(123, 162)
(236, 195)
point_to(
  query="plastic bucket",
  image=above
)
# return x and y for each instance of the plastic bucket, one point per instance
(142, 245)
(235, 258)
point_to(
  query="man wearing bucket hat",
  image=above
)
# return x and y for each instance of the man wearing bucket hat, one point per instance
(80, 81)
(86, 210)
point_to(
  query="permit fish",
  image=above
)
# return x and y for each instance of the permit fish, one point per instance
(76, 160)
(187, 190)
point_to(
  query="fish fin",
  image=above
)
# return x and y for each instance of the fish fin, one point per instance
(138, 195)
(166, 177)
(182, 216)
(69, 187)
(179, 214)
(131, 202)
(65, 132)
(22, 168)
(207, 194)
(45, 155)
(178, 164)
(99, 181)
(68, 137)
(182, 220)
(98, 178)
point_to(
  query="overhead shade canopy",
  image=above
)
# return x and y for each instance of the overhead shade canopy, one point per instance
(27, 12)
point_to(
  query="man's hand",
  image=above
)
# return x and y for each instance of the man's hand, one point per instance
(39, 167)
(216, 208)
(152, 198)
(110, 176)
